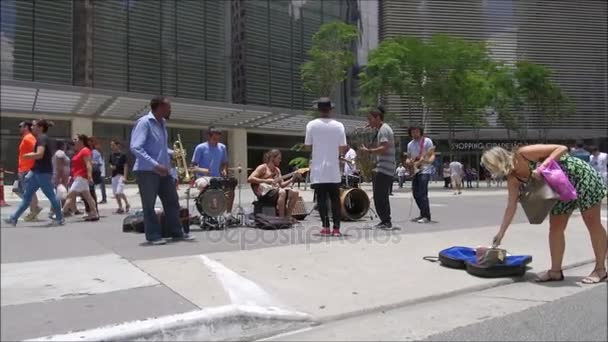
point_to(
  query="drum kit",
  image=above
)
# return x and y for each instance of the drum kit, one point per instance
(212, 202)
(354, 202)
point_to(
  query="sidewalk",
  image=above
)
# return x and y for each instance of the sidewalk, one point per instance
(329, 280)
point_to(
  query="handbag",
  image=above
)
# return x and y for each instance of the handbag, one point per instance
(558, 181)
(537, 199)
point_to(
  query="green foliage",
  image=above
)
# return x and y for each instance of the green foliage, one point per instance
(541, 95)
(505, 97)
(330, 58)
(458, 80)
(299, 162)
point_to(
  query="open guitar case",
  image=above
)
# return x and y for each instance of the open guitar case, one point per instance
(465, 258)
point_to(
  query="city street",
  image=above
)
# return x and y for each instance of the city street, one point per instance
(83, 276)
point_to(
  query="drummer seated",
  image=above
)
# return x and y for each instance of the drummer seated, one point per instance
(204, 181)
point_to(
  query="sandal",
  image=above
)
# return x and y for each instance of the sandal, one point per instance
(546, 277)
(595, 279)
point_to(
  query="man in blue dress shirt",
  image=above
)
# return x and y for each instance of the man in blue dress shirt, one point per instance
(152, 169)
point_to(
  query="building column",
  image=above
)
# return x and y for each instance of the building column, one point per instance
(82, 126)
(237, 149)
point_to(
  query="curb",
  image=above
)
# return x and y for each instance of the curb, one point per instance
(492, 284)
(218, 323)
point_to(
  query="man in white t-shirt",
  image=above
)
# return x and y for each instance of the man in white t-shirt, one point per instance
(599, 161)
(456, 173)
(327, 139)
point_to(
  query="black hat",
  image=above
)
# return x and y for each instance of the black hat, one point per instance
(324, 102)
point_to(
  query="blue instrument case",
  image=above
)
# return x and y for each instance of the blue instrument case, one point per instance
(464, 258)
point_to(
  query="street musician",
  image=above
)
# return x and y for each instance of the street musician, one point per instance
(271, 187)
(209, 162)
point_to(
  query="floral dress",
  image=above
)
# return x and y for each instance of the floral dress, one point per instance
(589, 186)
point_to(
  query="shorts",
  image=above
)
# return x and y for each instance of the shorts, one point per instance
(79, 185)
(118, 184)
(202, 182)
(228, 184)
(457, 179)
(271, 197)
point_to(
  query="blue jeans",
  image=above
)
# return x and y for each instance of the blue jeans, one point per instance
(420, 188)
(34, 181)
(151, 184)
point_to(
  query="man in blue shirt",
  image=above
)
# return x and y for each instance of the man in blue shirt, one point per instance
(210, 160)
(152, 167)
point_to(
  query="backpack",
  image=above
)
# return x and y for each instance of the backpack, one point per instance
(272, 222)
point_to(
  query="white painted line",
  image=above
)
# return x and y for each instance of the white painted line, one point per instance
(38, 281)
(241, 290)
(134, 329)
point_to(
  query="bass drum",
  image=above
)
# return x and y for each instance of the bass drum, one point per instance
(354, 204)
(211, 202)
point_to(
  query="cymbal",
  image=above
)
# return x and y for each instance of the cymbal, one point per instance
(237, 168)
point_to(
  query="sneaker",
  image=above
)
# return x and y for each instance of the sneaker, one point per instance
(33, 215)
(384, 225)
(460, 192)
(103, 202)
(56, 223)
(119, 211)
(416, 219)
(10, 221)
(325, 231)
(185, 237)
(336, 232)
(158, 242)
(423, 220)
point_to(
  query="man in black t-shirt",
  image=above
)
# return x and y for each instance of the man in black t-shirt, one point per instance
(119, 167)
(41, 175)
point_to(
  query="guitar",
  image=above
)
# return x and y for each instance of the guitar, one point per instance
(265, 188)
(414, 167)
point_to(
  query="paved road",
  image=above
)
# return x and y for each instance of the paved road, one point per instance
(580, 317)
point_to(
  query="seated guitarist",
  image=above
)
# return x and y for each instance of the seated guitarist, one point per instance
(270, 188)
(420, 154)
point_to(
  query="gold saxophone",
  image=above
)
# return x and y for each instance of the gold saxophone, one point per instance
(179, 154)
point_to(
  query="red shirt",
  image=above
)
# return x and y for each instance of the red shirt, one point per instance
(79, 167)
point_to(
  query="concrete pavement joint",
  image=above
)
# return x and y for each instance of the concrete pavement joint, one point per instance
(163, 284)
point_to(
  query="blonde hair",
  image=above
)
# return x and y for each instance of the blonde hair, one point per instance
(498, 161)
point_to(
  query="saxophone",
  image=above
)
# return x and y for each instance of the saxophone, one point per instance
(179, 154)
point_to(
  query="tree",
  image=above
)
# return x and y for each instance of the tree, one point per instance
(396, 67)
(330, 58)
(457, 82)
(505, 99)
(541, 95)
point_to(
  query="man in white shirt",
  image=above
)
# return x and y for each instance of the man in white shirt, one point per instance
(599, 161)
(401, 173)
(456, 173)
(327, 139)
